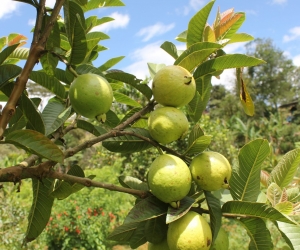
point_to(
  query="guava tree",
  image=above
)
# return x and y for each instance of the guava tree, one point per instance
(251, 196)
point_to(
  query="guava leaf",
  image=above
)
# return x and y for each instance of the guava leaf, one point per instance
(134, 183)
(175, 213)
(49, 82)
(215, 213)
(240, 37)
(285, 207)
(226, 62)
(40, 209)
(293, 194)
(274, 193)
(132, 81)
(196, 54)
(128, 143)
(260, 237)
(198, 104)
(182, 37)
(138, 237)
(111, 62)
(8, 72)
(146, 209)
(283, 173)
(154, 68)
(34, 118)
(4, 54)
(156, 229)
(170, 48)
(95, 4)
(255, 210)
(121, 98)
(234, 28)
(130, 113)
(89, 127)
(245, 180)
(112, 119)
(195, 133)
(199, 145)
(197, 24)
(35, 143)
(124, 232)
(291, 234)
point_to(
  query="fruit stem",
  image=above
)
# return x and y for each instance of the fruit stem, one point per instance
(161, 152)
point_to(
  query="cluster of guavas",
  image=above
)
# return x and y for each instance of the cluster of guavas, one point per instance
(169, 177)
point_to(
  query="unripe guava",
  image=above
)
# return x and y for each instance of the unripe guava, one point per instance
(221, 242)
(160, 246)
(190, 232)
(211, 171)
(173, 86)
(167, 124)
(169, 178)
(90, 95)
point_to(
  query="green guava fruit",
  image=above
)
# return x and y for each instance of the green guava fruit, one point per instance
(90, 95)
(190, 232)
(169, 178)
(167, 124)
(221, 242)
(160, 246)
(173, 86)
(211, 171)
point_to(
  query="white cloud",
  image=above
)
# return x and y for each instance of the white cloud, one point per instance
(154, 30)
(7, 8)
(50, 3)
(192, 5)
(294, 34)
(120, 21)
(151, 53)
(296, 60)
(279, 1)
(31, 22)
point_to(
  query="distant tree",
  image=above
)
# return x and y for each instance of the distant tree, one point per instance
(272, 82)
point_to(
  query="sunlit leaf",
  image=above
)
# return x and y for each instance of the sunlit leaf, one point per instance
(291, 233)
(197, 24)
(245, 180)
(4, 54)
(35, 143)
(283, 173)
(95, 4)
(274, 193)
(255, 210)
(285, 207)
(110, 63)
(134, 183)
(199, 145)
(209, 34)
(170, 48)
(240, 37)
(125, 99)
(154, 68)
(182, 37)
(40, 209)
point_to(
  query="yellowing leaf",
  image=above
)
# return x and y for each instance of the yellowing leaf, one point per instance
(246, 99)
(285, 207)
(209, 34)
(227, 14)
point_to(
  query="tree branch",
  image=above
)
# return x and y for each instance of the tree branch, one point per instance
(36, 50)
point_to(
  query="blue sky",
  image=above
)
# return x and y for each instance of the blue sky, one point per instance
(142, 26)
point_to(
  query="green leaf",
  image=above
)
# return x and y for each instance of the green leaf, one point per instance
(199, 145)
(124, 232)
(110, 63)
(63, 76)
(33, 115)
(284, 172)
(146, 209)
(195, 133)
(156, 229)
(133, 183)
(35, 143)
(20, 54)
(87, 68)
(170, 48)
(293, 194)
(128, 143)
(40, 209)
(54, 115)
(196, 54)
(182, 37)
(138, 237)
(49, 82)
(234, 28)
(4, 54)
(197, 24)
(129, 114)
(8, 72)
(260, 237)
(121, 98)
(285, 207)
(93, 21)
(95, 4)
(132, 81)
(255, 210)
(245, 180)
(154, 68)
(226, 62)
(240, 37)
(93, 129)
(184, 206)
(274, 193)
(200, 100)
(112, 119)
(215, 213)
(49, 63)
(291, 233)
